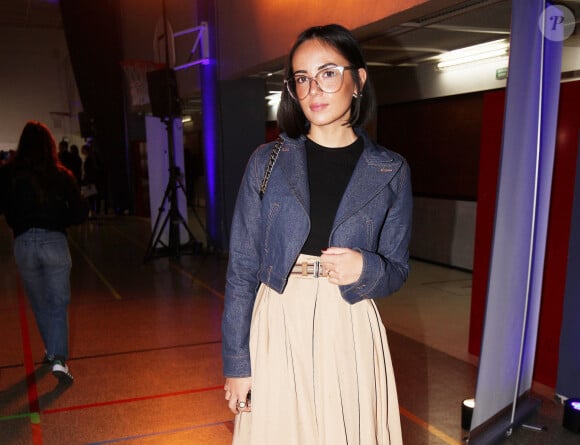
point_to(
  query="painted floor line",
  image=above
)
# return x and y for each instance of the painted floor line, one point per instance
(130, 400)
(198, 281)
(33, 417)
(181, 270)
(432, 430)
(32, 390)
(161, 433)
(145, 350)
(420, 422)
(92, 265)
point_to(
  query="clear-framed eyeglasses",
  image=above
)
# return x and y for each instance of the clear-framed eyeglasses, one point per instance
(327, 79)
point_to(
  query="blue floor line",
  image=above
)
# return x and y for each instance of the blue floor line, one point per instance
(162, 433)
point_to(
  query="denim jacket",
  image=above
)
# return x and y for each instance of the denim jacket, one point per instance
(374, 218)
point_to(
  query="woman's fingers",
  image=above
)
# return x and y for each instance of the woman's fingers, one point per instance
(239, 404)
(237, 394)
(342, 265)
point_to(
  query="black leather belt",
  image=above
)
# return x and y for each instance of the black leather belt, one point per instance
(309, 269)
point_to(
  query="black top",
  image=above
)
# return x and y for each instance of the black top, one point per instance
(52, 203)
(329, 171)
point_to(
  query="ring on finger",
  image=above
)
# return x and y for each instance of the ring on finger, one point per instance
(241, 404)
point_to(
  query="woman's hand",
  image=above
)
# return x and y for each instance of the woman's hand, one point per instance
(237, 390)
(343, 265)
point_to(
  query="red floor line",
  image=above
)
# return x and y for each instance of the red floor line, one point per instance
(146, 350)
(29, 368)
(131, 400)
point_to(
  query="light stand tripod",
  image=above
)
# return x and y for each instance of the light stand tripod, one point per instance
(174, 248)
(168, 104)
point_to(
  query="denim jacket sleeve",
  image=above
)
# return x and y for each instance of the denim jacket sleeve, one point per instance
(242, 275)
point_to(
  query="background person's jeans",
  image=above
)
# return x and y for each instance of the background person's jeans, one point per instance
(44, 262)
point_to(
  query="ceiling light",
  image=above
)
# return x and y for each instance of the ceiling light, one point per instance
(485, 52)
(273, 98)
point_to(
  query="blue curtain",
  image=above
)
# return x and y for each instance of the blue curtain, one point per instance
(521, 218)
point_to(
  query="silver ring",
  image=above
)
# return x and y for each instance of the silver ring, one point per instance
(241, 404)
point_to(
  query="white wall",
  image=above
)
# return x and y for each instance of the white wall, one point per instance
(571, 54)
(443, 231)
(36, 78)
(36, 83)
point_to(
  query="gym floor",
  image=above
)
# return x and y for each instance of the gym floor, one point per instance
(145, 350)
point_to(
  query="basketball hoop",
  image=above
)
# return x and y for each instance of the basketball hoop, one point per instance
(160, 45)
(136, 78)
(59, 119)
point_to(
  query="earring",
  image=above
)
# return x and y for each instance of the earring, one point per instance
(356, 95)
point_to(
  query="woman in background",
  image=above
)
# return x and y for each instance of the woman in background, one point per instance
(40, 198)
(93, 180)
(308, 254)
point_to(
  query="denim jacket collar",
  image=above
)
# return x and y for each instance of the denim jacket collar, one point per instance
(375, 170)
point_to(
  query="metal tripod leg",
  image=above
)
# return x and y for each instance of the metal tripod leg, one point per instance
(157, 231)
(174, 217)
(195, 214)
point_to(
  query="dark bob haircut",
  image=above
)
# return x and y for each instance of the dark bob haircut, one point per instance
(291, 119)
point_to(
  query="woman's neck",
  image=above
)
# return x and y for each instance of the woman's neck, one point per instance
(332, 137)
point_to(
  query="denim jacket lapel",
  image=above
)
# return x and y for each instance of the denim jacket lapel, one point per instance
(292, 162)
(375, 169)
(373, 172)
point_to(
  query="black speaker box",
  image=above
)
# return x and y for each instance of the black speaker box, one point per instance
(163, 94)
(87, 125)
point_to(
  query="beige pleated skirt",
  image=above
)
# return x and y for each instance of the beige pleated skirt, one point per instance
(322, 372)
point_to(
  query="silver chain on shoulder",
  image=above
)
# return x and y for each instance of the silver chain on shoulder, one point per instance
(270, 166)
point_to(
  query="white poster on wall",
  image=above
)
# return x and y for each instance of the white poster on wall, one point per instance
(160, 189)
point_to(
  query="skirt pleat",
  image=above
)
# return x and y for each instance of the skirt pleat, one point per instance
(322, 371)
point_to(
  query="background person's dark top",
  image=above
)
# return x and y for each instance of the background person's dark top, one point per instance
(329, 171)
(55, 205)
(76, 167)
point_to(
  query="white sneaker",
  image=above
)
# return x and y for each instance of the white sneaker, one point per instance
(60, 371)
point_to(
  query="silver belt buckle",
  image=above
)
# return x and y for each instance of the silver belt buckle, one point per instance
(318, 271)
(315, 268)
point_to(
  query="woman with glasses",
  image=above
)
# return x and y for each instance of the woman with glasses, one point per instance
(321, 228)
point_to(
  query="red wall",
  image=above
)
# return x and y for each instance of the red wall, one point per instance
(546, 366)
(448, 141)
(491, 129)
